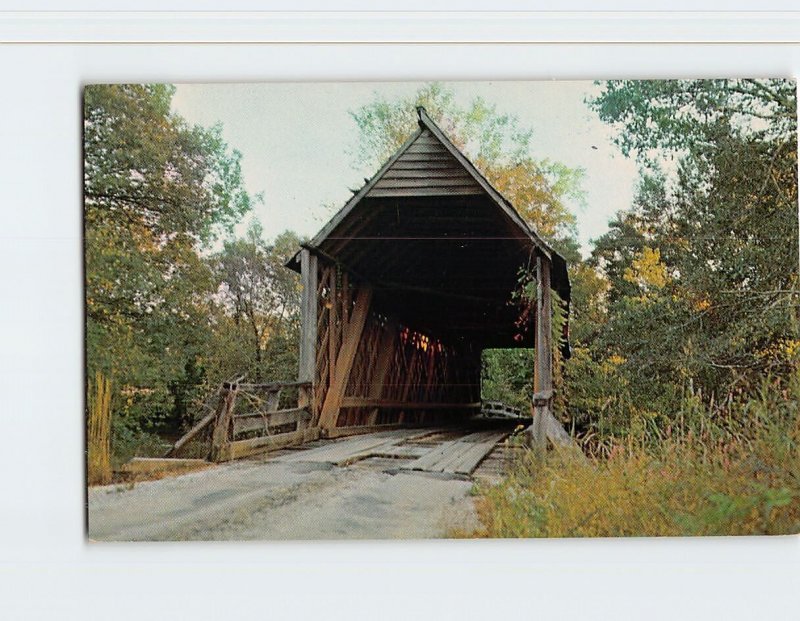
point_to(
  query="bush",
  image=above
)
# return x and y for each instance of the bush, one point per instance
(129, 440)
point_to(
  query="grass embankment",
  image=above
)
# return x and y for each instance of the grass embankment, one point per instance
(730, 470)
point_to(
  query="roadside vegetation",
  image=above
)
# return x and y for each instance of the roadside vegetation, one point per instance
(729, 469)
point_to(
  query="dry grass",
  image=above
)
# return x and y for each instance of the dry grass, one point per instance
(99, 432)
(744, 481)
(138, 470)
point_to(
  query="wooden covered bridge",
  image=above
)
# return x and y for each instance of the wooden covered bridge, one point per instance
(401, 292)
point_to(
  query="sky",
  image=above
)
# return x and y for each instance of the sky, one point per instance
(298, 140)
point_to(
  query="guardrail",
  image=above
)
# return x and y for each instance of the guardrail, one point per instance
(248, 420)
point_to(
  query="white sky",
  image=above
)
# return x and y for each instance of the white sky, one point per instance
(297, 142)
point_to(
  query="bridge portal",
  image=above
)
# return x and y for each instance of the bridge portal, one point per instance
(408, 283)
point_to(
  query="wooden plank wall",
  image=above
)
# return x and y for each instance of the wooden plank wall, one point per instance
(426, 168)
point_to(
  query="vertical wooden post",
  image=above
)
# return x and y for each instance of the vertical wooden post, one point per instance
(543, 363)
(304, 398)
(333, 319)
(544, 325)
(308, 316)
(221, 436)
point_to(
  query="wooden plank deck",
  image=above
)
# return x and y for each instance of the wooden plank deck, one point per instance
(352, 449)
(459, 456)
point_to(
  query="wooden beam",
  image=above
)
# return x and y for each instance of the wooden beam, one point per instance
(308, 316)
(543, 362)
(361, 402)
(333, 319)
(245, 448)
(221, 436)
(272, 385)
(351, 339)
(385, 357)
(304, 399)
(544, 325)
(340, 432)
(268, 420)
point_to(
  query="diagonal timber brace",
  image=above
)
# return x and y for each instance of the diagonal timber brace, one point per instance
(344, 360)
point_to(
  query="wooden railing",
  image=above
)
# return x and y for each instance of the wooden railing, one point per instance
(248, 419)
(500, 409)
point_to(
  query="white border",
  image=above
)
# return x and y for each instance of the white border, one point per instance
(474, 27)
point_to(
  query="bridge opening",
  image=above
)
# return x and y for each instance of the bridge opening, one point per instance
(506, 377)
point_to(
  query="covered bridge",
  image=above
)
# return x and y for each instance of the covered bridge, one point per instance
(406, 286)
(403, 290)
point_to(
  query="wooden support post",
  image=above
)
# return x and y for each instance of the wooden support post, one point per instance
(308, 316)
(333, 322)
(221, 436)
(385, 356)
(543, 363)
(544, 326)
(304, 398)
(351, 337)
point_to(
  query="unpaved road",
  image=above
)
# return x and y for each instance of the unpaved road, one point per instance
(252, 500)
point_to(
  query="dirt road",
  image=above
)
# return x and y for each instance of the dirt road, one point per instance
(296, 495)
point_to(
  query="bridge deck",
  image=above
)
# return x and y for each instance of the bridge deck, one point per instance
(450, 451)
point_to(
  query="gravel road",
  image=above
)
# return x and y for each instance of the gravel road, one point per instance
(251, 500)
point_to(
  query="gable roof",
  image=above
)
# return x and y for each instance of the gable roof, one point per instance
(418, 142)
(453, 236)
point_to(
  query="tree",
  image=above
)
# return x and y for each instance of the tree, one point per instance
(259, 291)
(146, 167)
(156, 192)
(718, 231)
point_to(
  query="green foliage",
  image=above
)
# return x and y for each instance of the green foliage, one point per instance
(156, 189)
(145, 166)
(683, 385)
(129, 440)
(507, 376)
(701, 271)
(261, 299)
(679, 114)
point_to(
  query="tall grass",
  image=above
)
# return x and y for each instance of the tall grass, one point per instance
(99, 431)
(719, 469)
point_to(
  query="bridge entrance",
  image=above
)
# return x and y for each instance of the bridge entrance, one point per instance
(402, 291)
(409, 283)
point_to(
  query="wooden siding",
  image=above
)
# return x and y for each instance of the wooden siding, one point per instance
(426, 168)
